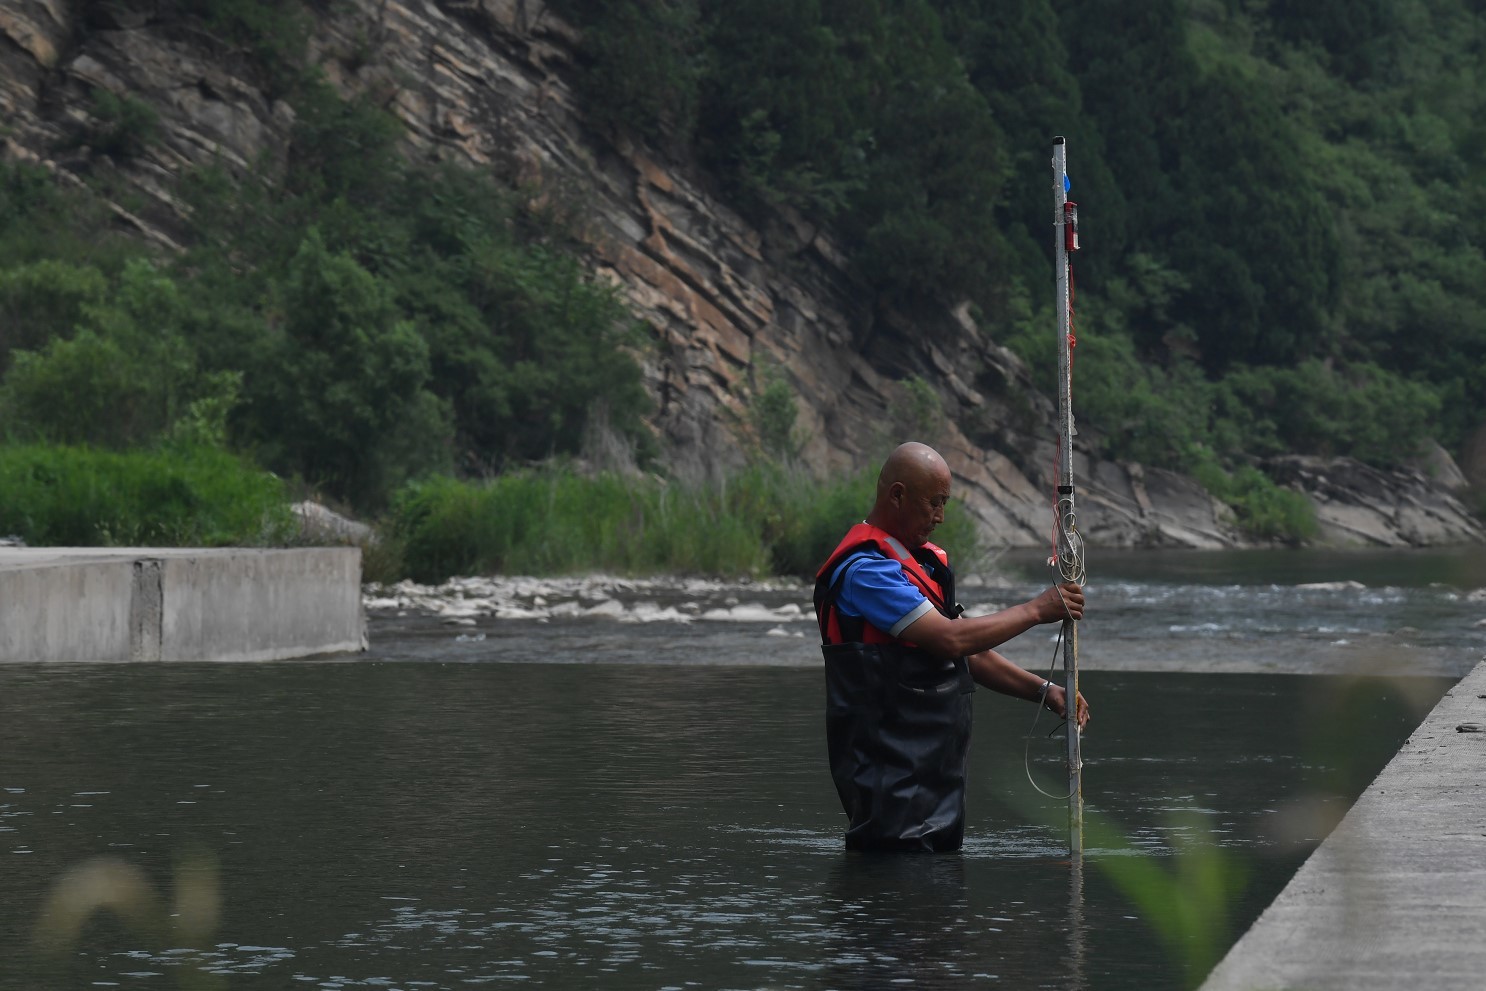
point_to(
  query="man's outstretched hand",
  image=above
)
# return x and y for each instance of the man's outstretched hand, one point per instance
(1060, 602)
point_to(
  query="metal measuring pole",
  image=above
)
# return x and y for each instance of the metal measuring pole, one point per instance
(1069, 550)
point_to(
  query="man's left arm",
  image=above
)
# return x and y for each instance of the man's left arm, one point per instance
(999, 674)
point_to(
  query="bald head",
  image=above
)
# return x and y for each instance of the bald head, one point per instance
(912, 490)
(911, 463)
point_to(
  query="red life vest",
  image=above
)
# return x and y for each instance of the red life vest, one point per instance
(835, 628)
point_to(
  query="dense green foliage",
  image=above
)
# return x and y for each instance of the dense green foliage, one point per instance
(183, 496)
(354, 322)
(418, 318)
(762, 520)
(1279, 201)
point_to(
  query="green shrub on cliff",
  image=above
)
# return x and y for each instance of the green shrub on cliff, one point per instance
(124, 126)
(266, 37)
(42, 220)
(644, 66)
(1261, 509)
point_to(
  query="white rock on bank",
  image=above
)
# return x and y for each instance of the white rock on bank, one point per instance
(321, 524)
(646, 612)
(462, 609)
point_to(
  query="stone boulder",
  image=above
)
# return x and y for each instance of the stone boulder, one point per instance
(320, 525)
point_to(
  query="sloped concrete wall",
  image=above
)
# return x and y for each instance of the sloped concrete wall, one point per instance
(1395, 897)
(143, 604)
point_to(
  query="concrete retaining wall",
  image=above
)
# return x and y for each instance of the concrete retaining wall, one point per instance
(143, 604)
(1395, 897)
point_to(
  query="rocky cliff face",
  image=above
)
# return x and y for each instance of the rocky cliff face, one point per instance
(731, 305)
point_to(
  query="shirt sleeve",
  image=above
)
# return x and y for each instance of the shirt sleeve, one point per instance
(876, 589)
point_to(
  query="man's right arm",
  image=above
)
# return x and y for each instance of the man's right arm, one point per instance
(967, 635)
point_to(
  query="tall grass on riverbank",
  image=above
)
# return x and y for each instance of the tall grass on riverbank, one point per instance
(173, 497)
(764, 519)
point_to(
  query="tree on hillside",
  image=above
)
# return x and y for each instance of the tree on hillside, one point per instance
(1216, 188)
(340, 396)
(773, 137)
(926, 223)
(1016, 60)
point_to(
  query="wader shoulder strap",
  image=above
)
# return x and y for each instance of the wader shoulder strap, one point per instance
(847, 629)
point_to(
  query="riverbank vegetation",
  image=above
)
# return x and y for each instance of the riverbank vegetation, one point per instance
(1278, 209)
(762, 520)
(180, 496)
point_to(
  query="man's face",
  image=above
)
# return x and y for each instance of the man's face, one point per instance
(922, 508)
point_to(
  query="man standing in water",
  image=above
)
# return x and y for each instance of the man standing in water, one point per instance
(901, 664)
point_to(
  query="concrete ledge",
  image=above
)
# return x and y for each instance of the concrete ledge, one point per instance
(1396, 896)
(173, 604)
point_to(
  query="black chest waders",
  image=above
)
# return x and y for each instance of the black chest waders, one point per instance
(897, 723)
(898, 735)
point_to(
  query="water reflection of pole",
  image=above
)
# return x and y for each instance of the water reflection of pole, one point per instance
(1069, 550)
(1076, 923)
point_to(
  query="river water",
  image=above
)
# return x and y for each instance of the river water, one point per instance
(627, 789)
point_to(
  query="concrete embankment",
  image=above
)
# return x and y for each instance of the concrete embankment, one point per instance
(146, 604)
(1396, 896)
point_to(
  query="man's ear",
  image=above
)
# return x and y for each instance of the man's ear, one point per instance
(896, 492)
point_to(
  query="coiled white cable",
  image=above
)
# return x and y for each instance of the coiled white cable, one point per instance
(1068, 561)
